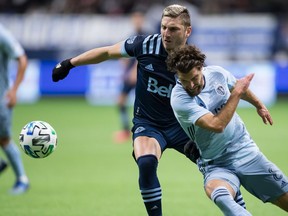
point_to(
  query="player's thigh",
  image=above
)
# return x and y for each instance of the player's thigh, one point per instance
(144, 145)
(263, 179)
(282, 201)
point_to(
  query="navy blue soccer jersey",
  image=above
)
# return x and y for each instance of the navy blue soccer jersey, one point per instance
(154, 81)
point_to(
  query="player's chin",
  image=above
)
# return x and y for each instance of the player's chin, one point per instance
(193, 92)
(168, 45)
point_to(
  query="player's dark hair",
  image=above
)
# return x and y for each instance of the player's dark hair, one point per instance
(184, 59)
(175, 11)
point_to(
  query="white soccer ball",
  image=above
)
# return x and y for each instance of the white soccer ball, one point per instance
(38, 139)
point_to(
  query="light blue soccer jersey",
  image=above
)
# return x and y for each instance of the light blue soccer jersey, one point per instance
(9, 49)
(213, 97)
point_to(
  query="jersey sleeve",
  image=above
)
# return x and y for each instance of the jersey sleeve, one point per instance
(230, 78)
(133, 46)
(186, 109)
(9, 44)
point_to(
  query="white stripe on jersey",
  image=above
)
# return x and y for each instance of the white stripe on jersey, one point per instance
(158, 45)
(152, 48)
(145, 44)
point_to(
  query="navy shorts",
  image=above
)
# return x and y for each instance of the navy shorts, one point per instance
(168, 137)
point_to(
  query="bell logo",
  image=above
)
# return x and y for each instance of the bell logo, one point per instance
(161, 90)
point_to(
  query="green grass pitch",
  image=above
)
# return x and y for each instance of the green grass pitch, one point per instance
(88, 174)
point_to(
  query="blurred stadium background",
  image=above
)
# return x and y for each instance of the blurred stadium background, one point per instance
(241, 35)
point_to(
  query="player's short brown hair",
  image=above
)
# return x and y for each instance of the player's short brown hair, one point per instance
(175, 11)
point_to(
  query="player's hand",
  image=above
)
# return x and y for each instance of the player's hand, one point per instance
(265, 115)
(242, 84)
(11, 98)
(61, 70)
(191, 151)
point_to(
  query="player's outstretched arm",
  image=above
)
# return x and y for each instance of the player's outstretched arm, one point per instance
(93, 56)
(217, 123)
(262, 111)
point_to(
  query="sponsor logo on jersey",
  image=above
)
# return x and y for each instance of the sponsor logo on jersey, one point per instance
(218, 109)
(160, 90)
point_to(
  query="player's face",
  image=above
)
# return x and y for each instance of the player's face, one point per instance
(192, 82)
(174, 33)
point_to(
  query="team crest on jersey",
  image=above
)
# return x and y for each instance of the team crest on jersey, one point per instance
(131, 40)
(220, 90)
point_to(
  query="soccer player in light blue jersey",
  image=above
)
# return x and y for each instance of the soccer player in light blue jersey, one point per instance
(155, 127)
(10, 49)
(204, 102)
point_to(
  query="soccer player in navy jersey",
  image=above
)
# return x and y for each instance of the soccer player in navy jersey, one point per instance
(155, 127)
(204, 101)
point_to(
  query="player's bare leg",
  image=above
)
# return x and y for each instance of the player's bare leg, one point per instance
(147, 153)
(282, 202)
(13, 154)
(124, 134)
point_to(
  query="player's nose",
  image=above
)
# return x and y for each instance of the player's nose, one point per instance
(192, 85)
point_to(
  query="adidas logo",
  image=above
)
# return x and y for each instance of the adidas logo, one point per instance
(149, 67)
(154, 207)
(283, 184)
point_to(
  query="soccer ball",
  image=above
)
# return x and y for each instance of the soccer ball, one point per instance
(38, 139)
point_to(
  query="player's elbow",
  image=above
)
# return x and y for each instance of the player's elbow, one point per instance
(218, 125)
(217, 128)
(211, 123)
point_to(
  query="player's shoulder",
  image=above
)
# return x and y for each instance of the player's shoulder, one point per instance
(179, 97)
(144, 44)
(4, 33)
(215, 69)
(140, 39)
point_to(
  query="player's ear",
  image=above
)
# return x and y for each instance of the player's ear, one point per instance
(188, 31)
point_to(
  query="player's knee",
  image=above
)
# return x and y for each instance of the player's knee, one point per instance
(212, 185)
(147, 162)
(147, 171)
(209, 188)
(219, 193)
